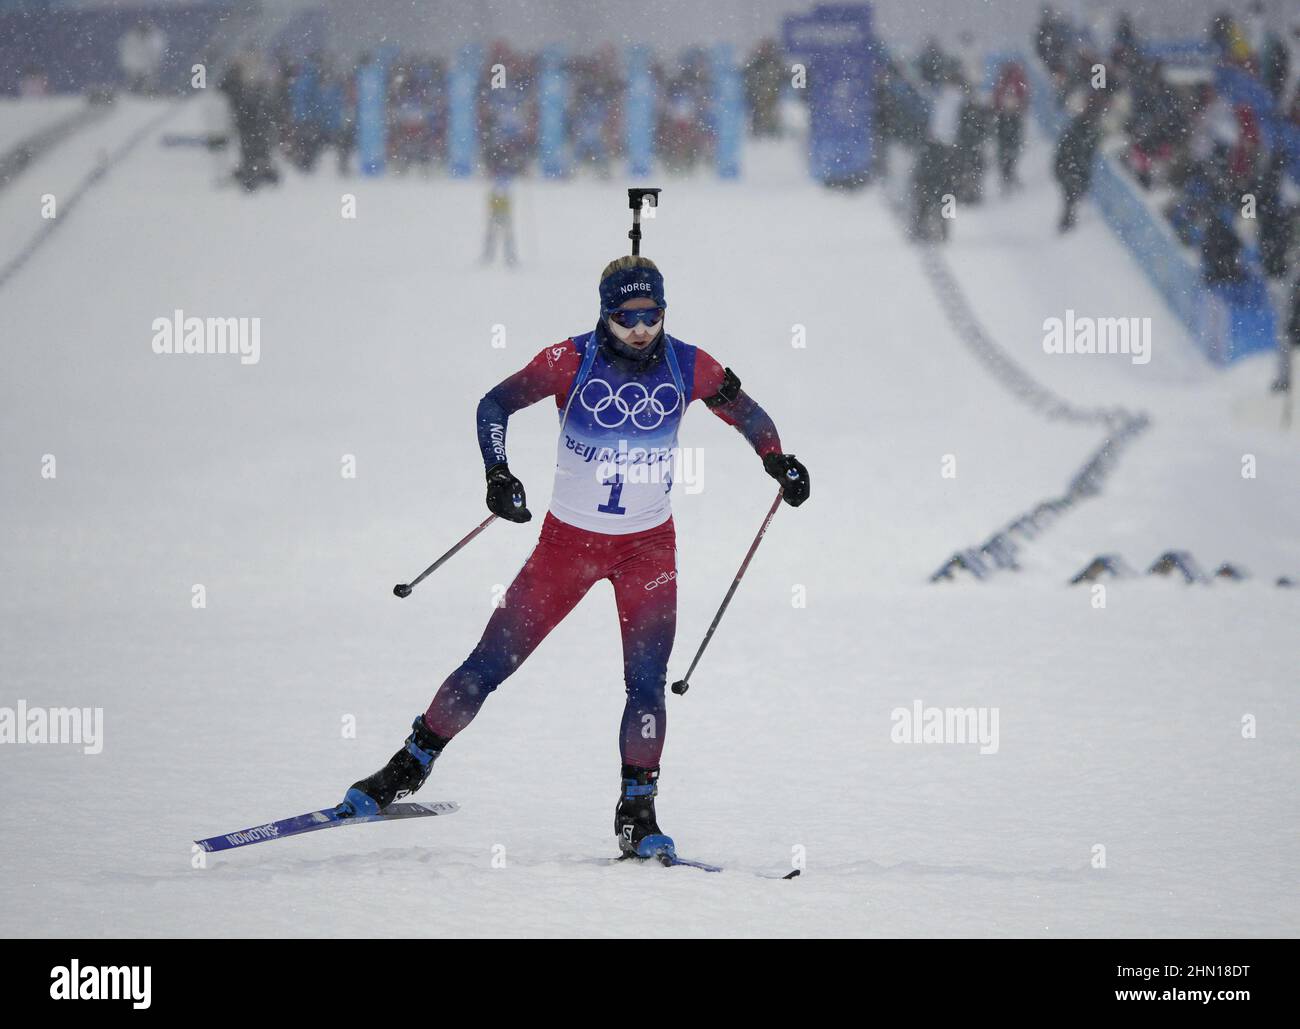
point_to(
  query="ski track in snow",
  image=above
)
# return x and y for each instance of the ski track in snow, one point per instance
(1118, 727)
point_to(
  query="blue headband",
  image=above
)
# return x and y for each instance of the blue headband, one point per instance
(618, 287)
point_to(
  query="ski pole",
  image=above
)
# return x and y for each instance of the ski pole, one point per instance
(683, 684)
(1288, 398)
(403, 589)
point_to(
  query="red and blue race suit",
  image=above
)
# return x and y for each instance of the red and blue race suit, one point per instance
(610, 517)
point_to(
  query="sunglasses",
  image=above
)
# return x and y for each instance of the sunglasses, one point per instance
(631, 318)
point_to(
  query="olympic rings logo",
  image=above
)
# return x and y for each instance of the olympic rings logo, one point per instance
(631, 400)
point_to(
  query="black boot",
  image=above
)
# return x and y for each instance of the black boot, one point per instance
(634, 819)
(405, 773)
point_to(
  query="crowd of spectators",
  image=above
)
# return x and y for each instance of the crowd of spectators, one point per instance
(1210, 131)
(1222, 164)
(942, 109)
(299, 109)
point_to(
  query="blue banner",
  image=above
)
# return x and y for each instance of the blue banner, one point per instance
(835, 45)
(552, 102)
(639, 111)
(372, 117)
(462, 128)
(304, 92)
(728, 111)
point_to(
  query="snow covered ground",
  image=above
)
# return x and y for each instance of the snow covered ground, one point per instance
(20, 119)
(1118, 728)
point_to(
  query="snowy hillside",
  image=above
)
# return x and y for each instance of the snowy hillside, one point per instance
(1119, 727)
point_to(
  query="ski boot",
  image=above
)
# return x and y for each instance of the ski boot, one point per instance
(635, 826)
(405, 773)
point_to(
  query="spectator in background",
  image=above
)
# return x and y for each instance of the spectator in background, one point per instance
(1075, 154)
(34, 82)
(764, 79)
(972, 132)
(410, 114)
(1052, 44)
(500, 221)
(1010, 102)
(885, 105)
(338, 112)
(594, 93)
(970, 62)
(507, 143)
(1157, 123)
(1272, 56)
(1126, 49)
(933, 66)
(140, 54)
(900, 114)
(683, 134)
(1288, 343)
(935, 174)
(302, 136)
(506, 126)
(1220, 253)
(251, 89)
(507, 108)
(1249, 152)
(1199, 170)
(587, 120)
(975, 124)
(1227, 40)
(1274, 217)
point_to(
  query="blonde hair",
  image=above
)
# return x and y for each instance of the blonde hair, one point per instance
(622, 264)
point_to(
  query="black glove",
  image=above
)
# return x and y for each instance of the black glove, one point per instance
(791, 474)
(505, 495)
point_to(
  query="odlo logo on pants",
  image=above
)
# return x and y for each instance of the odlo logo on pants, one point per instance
(663, 578)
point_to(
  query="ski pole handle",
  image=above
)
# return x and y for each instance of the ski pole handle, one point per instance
(683, 684)
(636, 197)
(404, 589)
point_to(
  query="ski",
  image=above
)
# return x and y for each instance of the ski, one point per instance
(671, 860)
(329, 818)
